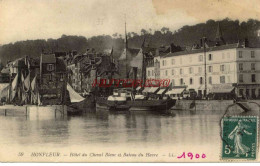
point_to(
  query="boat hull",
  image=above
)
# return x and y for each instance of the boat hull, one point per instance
(78, 108)
(138, 105)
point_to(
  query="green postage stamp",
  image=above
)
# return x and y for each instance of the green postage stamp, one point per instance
(239, 137)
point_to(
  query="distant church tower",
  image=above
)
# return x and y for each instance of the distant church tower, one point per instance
(219, 38)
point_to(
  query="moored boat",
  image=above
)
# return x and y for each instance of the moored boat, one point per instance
(79, 104)
(125, 100)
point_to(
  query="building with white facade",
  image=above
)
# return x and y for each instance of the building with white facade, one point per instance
(219, 69)
(231, 65)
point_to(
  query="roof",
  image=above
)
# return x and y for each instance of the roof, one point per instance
(5, 70)
(15, 63)
(222, 47)
(48, 58)
(149, 50)
(35, 61)
(133, 51)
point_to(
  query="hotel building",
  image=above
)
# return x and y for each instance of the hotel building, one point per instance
(229, 67)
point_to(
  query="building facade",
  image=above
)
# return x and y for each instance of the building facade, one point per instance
(52, 78)
(233, 65)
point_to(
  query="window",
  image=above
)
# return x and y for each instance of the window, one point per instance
(173, 71)
(166, 72)
(50, 77)
(240, 66)
(210, 57)
(241, 92)
(241, 78)
(228, 79)
(253, 93)
(181, 71)
(252, 66)
(164, 62)
(247, 92)
(148, 73)
(210, 69)
(222, 79)
(200, 70)
(50, 67)
(222, 67)
(200, 58)
(201, 80)
(240, 54)
(191, 81)
(173, 83)
(210, 80)
(61, 77)
(191, 70)
(253, 77)
(181, 81)
(252, 54)
(228, 55)
(173, 61)
(152, 73)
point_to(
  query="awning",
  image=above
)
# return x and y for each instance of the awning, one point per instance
(161, 91)
(138, 88)
(146, 89)
(175, 91)
(153, 89)
(225, 88)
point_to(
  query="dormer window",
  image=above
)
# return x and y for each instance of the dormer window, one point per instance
(50, 67)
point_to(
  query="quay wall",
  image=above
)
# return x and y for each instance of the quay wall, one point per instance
(210, 105)
(34, 112)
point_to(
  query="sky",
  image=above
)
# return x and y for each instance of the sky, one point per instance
(43, 19)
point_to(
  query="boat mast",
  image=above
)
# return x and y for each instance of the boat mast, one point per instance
(126, 48)
(143, 65)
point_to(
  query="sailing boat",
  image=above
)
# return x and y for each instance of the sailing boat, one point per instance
(13, 89)
(4, 87)
(78, 104)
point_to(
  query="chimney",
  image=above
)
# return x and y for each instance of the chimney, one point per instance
(201, 43)
(172, 48)
(246, 43)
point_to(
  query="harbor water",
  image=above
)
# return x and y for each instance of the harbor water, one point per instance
(102, 130)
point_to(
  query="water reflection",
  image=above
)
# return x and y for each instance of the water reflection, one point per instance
(115, 129)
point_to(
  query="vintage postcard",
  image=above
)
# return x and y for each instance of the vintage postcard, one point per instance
(129, 81)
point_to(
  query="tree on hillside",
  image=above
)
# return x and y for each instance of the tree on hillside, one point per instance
(164, 30)
(232, 31)
(144, 32)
